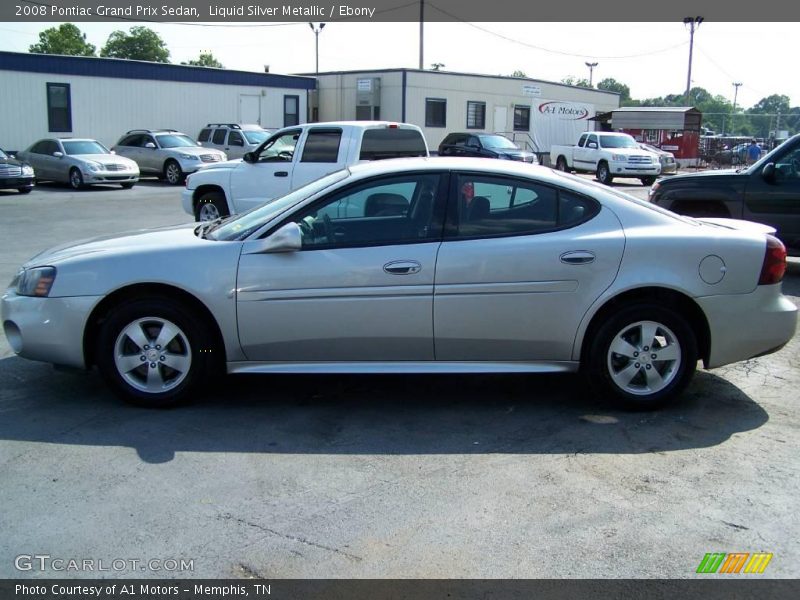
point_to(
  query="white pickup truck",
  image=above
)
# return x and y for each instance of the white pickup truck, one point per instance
(609, 155)
(292, 157)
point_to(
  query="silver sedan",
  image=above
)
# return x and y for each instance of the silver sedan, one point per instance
(79, 162)
(412, 265)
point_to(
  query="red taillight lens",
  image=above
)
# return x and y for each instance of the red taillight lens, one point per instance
(774, 262)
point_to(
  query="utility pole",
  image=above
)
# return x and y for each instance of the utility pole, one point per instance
(421, 34)
(316, 31)
(736, 86)
(591, 66)
(693, 23)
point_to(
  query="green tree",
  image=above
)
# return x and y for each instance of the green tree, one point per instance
(519, 73)
(770, 107)
(206, 59)
(64, 39)
(142, 43)
(579, 82)
(610, 84)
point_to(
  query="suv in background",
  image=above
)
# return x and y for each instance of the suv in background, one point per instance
(484, 145)
(235, 140)
(166, 153)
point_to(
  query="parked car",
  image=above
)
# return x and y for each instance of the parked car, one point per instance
(610, 155)
(387, 267)
(767, 192)
(292, 157)
(166, 153)
(484, 145)
(667, 159)
(235, 140)
(79, 162)
(15, 174)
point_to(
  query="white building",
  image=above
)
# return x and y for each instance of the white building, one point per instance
(535, 113)
(43, 95)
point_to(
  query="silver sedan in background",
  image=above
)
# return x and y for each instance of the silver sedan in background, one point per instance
(412, 265)
(79, 162)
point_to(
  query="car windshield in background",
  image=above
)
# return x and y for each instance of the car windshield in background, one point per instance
(175, 141)
(248, 222)
(613, 141)
(3, 154)
(497, 142)
(75, 148)
(255, 137)
(392, 143)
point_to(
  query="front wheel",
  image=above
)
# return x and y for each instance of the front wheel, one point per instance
(604, 174)
(642, 357)
(211, 206)
(173, 172)
(649, 180)
(152, 352)
(25, 190)
(561, 164)
(75, 179)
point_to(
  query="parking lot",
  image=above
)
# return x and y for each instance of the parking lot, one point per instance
(384, 476)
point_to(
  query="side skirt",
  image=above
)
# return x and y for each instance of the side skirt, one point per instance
(404, 367)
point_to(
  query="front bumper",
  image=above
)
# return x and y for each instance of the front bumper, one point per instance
(187, 200)
(47, 329)
(626, 169)
(90, 177)
(747, 325)
(16, 182)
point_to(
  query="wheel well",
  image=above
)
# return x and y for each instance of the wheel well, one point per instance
(203, 189)
(677, 301)
(146, 290)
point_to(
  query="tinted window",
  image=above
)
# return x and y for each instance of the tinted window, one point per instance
(582, 140)
(175, 141)
(38, 148)
(476, 115)
(235, 139)
(455, 139)
(219, 136)
(205, 134)
(131, 140)
(391, 142)
(522, 118)
(435, 112)
(48, 147)
(59, 107)
(322, 146)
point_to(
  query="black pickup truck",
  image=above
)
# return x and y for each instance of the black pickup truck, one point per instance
(767, 192)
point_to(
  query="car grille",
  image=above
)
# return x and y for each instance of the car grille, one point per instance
(640, 160)
(10, 171)
(116, 167)
(210, 157)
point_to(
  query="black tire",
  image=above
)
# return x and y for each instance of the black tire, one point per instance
(128, 185)
(26, 190)
(561, 164)
(148, 316)
(76, 179)
(210, 206)
(604, 173)
(649, 180)
(605, 368)
(173, 173)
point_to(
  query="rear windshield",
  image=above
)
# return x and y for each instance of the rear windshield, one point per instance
(378, 144)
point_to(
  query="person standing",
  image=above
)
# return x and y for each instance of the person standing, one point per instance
(753, 152)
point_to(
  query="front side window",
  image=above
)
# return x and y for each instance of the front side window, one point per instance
(59, 107)
(476, 115)
(435, 112)
(235, 139)
(291, 110)
(389, 210)
(489, 206)
(204, 136)
(132, 141)
(522, 118)
(280, 148)
(322, 146)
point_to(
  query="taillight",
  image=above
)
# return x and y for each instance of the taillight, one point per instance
(774, 262)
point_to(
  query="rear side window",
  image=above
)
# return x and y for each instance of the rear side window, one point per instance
(219, 136)
(378, 144)
(205, 134)
(322, 146)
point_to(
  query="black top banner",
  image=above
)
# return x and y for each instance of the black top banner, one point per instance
(233, 11)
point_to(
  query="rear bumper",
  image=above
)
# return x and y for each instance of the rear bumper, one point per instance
(747, 325)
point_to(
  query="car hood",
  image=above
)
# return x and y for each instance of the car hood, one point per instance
(144, 241)
(104, 159)
(11, 161)
(704, 175)
(227, 164)
(515, 153)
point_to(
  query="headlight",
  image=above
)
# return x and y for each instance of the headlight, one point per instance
(503, 157)
(619, 157)
(36, 281)
(189, 156)
(94, 167)
(27, 170)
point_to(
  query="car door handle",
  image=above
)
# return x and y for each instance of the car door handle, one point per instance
(402, 267)
(281, 173)
(577, 257)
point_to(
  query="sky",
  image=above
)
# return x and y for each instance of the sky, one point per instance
(651, 58)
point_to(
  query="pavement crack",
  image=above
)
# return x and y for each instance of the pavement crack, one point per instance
(735, 526)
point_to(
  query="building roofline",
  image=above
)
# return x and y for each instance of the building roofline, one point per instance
(116, 68)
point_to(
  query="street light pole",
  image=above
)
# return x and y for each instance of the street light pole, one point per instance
(591, 66)
(693, 23)
(316, 31)
(736, 86)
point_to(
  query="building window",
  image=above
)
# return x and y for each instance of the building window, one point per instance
(291, 110)
(59, 107)
(522, 118)
(435, 112)
(476, 115)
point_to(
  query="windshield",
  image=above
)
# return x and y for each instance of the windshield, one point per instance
(88, 147)
(255, 137)
(3, 154)
(175, 141)
(497, 141)
(617, 141)
(248, 222)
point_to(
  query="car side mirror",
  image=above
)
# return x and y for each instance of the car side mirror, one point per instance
(592, 145)
(768, 172)
(58, 154)
(150, 145)
(288, 238)
(250, 157)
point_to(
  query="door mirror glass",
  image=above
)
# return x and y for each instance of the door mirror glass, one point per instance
(58, 154)
(768, 172)
(150, 145)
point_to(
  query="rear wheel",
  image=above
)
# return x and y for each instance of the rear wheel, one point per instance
(152, 353)
(75, 179)
(604, 174)
(643, 356)
(561, 163)
(211, 206)
(649, 180)
(173, 172)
